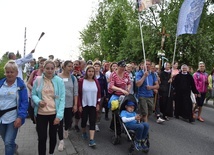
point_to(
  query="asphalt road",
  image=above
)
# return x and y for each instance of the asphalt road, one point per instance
(174, 137)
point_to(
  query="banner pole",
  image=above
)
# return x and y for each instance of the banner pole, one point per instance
(142, 41)
(173, 60)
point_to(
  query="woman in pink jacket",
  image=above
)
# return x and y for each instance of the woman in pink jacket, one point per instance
(201, 83)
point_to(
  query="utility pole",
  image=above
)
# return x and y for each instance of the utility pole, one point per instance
(25, 41)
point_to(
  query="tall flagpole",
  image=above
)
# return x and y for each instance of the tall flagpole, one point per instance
(173, 60)
(141, 33)
(25, 41)
(142, 41)
(175, 46)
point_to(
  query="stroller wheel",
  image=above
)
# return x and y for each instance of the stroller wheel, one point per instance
(131, 149)
(148, 143)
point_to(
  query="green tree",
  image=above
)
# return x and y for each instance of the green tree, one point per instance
(114, 33)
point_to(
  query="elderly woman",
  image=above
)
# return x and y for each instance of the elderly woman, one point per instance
(48, 95)
(183, 85)
(13, 106)
(120, 84)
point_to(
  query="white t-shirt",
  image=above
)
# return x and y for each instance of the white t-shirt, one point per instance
(89, 93)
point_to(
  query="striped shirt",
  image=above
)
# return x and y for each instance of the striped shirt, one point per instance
(119, 82)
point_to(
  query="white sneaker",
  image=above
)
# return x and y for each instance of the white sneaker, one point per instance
(160, 120)
(97, 128)
(65, 134)
(61, 145)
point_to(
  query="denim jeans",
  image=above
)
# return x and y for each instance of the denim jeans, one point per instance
(141, 130)
(8, 134)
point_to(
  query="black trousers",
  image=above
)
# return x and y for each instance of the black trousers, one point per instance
(42, 122)
(89, 112)
(68, 114)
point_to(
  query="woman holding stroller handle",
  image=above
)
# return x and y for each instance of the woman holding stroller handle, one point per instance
(89, 102)
(132, 122)
(120, 84)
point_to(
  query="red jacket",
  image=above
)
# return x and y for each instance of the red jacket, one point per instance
(80, 85)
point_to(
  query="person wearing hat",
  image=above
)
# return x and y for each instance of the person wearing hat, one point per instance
(89, 62)
(120, 84)
(132, 122)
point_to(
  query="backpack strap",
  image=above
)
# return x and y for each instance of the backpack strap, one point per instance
(2, 112)
(73, 78)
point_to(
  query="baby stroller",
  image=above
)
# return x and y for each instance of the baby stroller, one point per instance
(130, 133)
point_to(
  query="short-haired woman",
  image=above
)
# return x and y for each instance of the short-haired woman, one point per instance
(13, 106)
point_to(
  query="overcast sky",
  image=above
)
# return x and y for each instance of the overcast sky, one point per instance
(61, 20)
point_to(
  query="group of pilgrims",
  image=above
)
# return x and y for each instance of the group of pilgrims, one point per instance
(61, 93)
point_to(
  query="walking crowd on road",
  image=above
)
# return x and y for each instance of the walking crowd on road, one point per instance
(62, 94)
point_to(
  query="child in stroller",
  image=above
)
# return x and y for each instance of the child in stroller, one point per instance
(132, 122)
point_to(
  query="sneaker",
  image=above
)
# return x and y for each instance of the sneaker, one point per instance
(137, 145)
(61, 145)
(65, 134)
(160, 120)
(84, 136)
(144, 146)
(97, 128)
(200, 119)
(77, 128)
(92, 143)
